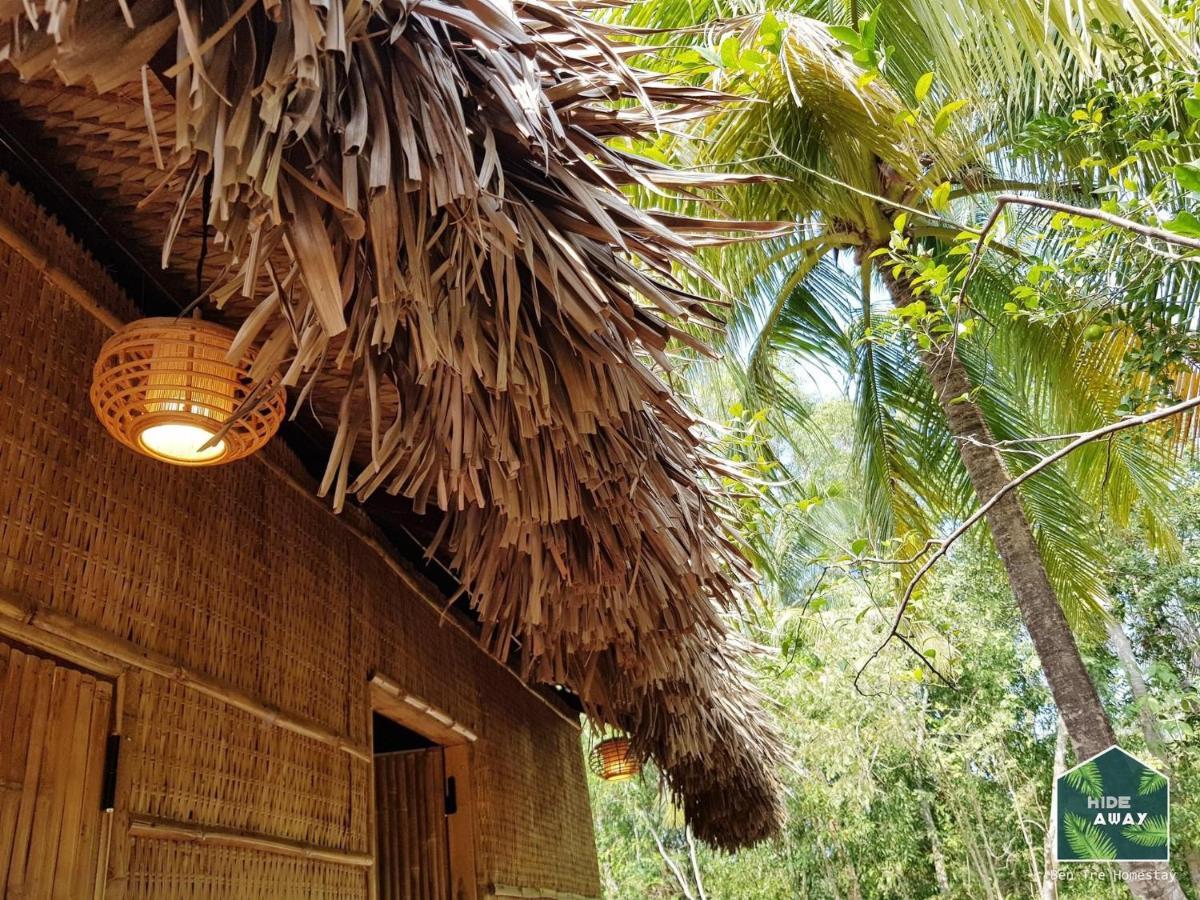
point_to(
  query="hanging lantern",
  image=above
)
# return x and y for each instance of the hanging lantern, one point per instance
(613, 759)
(163, 387)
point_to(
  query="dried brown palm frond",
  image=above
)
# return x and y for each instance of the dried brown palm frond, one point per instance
(418, 202)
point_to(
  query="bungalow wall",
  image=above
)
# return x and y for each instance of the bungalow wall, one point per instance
(232, 578)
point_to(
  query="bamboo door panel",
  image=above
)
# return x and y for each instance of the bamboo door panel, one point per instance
(412, 856)
(54, 721)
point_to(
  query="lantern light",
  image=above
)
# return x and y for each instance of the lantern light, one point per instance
(613, 759)
(165, 388)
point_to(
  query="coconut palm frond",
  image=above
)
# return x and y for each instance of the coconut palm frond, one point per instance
(1072, 384)
(901, 444)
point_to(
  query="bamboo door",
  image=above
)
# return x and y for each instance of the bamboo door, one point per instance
(412, 858)
(54, 722)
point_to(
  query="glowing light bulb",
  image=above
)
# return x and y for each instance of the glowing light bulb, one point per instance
(179, 442)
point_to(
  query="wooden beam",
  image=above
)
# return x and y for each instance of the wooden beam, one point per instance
(165, 829)
(60, 278)
(391, 700)
(13, 626)
(31, 615)
(505, 892)
(460, 827)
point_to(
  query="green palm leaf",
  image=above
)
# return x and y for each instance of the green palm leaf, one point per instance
(1151, 833)
(1151, 782)
(1086, 840)
(1087, 779)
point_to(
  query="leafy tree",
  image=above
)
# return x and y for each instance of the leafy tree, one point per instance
(870, 157)
(867, 766)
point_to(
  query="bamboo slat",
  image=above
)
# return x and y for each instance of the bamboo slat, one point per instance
(51, 798)
(92, 865)
(48, 806)
(440, 855)
(16, 694)
(460, 827)
(14, 626)
(412, 840)
(397, 835)
(33, 720)
(408, 825)
(165, 829)
(76, 753)
(389, 698)
(117, 846)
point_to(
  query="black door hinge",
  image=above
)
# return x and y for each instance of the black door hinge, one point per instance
(108, 790)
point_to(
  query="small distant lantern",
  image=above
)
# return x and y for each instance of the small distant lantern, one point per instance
(164, 388)
(613, 759)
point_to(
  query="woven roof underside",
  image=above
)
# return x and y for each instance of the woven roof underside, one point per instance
(417, 219)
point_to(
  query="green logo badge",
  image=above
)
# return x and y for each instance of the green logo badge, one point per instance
(1113, 807)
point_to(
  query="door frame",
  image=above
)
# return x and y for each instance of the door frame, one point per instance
(391, 701)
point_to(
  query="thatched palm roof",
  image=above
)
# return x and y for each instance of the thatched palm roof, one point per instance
(418, 218)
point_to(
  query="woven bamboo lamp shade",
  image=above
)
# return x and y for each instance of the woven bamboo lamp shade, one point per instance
(613, 759)
(164, 388)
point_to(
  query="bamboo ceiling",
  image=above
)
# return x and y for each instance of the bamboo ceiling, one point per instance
(417, 216)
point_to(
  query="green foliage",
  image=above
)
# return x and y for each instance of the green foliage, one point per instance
(980, 755)
(888, 132)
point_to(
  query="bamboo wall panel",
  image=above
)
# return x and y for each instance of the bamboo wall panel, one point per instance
(206, 764)
(54, 721)
(182, 870)
(237, 576)
(512, 824)
(413, 854)
(196, 558)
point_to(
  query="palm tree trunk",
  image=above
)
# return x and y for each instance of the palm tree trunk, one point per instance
(1070, 685)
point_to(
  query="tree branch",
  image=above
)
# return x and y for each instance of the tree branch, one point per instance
(1003, 200)
(985, 185)
(671, 864)
(691, 842)
(944, 546)
(1150, 231)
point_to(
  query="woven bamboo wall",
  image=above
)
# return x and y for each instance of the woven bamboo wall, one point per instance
(233, 574)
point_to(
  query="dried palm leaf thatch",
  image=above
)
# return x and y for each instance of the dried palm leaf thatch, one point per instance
(420, 203)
